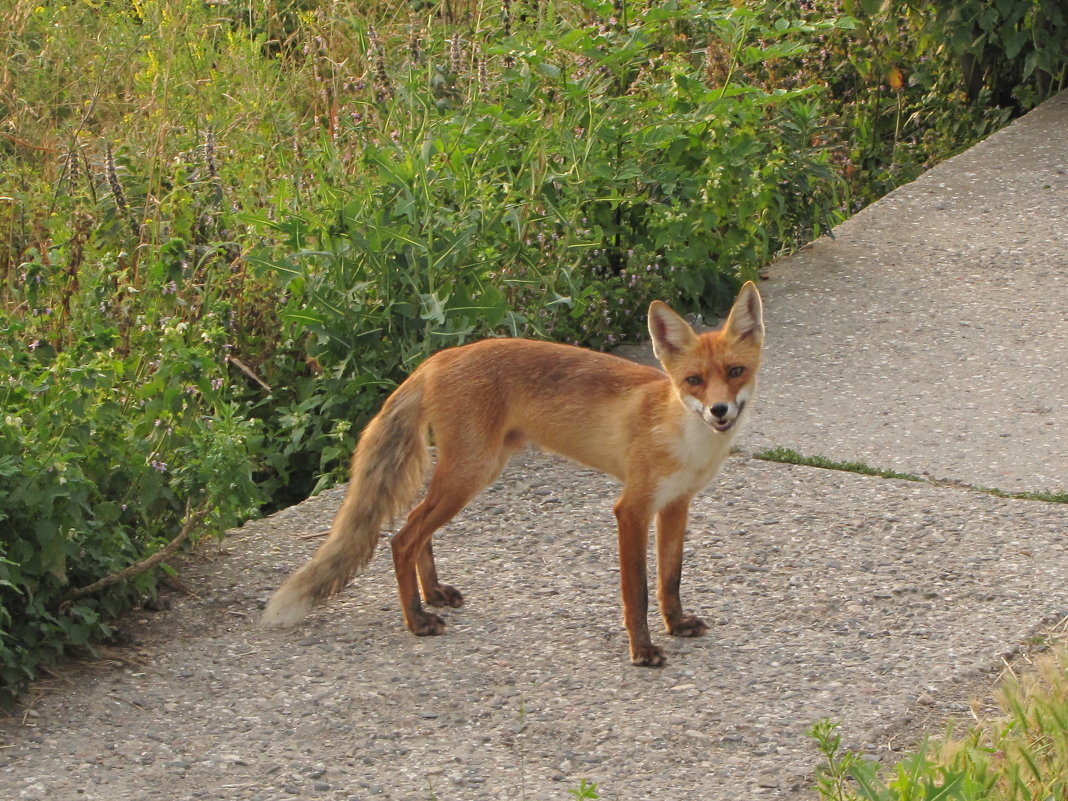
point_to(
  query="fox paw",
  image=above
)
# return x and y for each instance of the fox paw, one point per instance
(648, 656)
(427, 624)
(688, 626)
(444, 595)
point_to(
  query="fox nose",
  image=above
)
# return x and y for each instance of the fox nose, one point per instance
(719, 410)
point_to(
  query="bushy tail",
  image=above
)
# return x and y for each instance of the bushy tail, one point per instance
(387, 471)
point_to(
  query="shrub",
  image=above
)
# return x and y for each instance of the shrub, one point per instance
(596, 172)
(101, 460)
(107, 443)
(1015, 51)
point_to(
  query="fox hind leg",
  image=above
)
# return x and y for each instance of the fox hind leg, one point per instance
(409, 547)
(434, 592)
(454, 483)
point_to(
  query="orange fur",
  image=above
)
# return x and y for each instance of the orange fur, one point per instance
(663, 435)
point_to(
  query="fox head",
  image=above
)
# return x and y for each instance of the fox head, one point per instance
(714, 374)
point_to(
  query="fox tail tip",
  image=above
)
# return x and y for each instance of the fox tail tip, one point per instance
(284, 613)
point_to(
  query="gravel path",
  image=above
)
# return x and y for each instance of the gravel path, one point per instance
(831, 595)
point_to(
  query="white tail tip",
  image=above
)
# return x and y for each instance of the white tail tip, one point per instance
(282, 612)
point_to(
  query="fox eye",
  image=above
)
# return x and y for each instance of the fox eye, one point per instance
(694, 380)
(734, 372)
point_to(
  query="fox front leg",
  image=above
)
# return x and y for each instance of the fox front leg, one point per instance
(670, 535)
(633, 522)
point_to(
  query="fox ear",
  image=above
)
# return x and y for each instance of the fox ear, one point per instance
(671, 334)
(746, 320)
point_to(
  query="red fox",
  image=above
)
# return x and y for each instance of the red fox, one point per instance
(663, 434)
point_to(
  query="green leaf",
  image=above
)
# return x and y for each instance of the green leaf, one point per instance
(548, 70)
(1014, 43)
(304, 317)
(433, 308)
(107, 511)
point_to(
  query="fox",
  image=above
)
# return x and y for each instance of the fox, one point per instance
(663, 433)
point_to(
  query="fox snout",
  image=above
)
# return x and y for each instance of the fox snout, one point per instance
(722, 416)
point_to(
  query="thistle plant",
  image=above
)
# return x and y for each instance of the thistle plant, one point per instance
(506, 28)
(211, 168)
(482, 72)
(73, 167)
(209, 155)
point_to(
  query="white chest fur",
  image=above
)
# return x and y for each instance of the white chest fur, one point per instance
(699, 451)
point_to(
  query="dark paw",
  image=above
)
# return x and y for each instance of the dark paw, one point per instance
(444, 595)
(648, 656)
(427, 625)
(688, 626)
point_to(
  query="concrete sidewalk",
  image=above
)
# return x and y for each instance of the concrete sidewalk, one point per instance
(931, 335)
(877, 603)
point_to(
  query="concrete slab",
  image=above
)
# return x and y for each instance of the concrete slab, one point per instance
(931, 335)
(830, 595)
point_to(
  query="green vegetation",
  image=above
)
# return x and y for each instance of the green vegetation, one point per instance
(790, 456)
(1019, 755)
(227, 229)
(1048, 497)
(584, 790)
